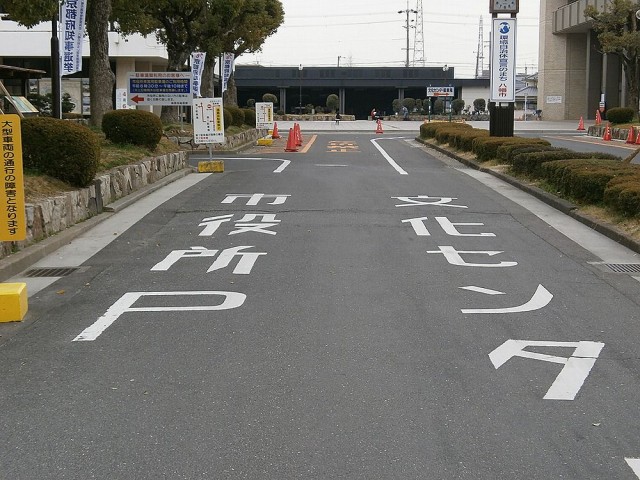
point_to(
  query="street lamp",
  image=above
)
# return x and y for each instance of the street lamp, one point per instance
(300, 93)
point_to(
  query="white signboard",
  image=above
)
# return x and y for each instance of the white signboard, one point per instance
(208, 120)
(440, 91)
(503, 60)
(160, 88)
(264, 115)
(555, 99)
(121, 99)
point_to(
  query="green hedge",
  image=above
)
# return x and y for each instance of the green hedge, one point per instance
(237, 114)
(62, 149)
(620, 115)
(508, 151)
(464, 139)
(529, 163)
(623, 195)
(429, 130)
(584, 179)
(486, 148)
(228, 117)
(135, 127)
(249, 116)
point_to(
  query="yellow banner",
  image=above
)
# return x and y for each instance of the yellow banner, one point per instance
(13, 222)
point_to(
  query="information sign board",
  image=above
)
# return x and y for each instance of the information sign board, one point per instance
(264, 115)
(160, 88)
(208, 121)
(13, 224)
(440, 91)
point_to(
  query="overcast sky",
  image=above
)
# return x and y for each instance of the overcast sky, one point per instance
(372, 33)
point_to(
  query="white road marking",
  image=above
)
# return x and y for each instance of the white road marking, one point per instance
(285, 163)
(387, 156)
(123, 305)
(634, 463)
(540, 299)
(574, 373)
(487, 291)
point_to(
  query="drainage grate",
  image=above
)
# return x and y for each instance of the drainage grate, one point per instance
(50, 272)
(623, 267)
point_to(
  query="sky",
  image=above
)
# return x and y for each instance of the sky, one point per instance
(372, 33)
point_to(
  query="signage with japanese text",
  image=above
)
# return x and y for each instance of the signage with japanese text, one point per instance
(503, 60)
(440, 91)
(72, 16)
(13, 225)
(160, 88)
(208, 120)
(264, 115)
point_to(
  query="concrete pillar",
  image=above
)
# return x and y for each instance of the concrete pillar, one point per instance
(343, 99)
(283, 99)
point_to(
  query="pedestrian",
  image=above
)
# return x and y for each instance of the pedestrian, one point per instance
(338, 117)
(405, 113)
(374, 113)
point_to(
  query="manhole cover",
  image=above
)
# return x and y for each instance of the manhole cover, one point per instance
(50, 272)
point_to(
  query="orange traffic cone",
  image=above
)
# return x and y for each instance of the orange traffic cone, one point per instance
(581, 124)
(598, 118)
(275, 133)
(379, 127)
(291, 142)
(631, 136)
(607, 133)
(298, 134)
(638, 138)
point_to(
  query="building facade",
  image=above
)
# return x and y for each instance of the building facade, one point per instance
(574, 77)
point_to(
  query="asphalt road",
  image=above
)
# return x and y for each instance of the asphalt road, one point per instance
(362, 310)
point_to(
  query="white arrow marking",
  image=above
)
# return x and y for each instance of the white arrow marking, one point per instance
(575, 371)
(634, 463)
(482, 290)
(540, 299)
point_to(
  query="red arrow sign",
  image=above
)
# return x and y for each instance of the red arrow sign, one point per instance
(137, 99)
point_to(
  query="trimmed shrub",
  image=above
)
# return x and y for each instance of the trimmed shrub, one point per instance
(464, 139)
(487, 148)
(447, 134)
(507, 152)
(135, 127)
(623, 195)
(585, 179)
(64, 150)
(249, 117)
(228, 117)
(620, 115)
(237, 115)
(529, 163)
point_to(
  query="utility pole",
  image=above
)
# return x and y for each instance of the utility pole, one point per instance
(408, 11)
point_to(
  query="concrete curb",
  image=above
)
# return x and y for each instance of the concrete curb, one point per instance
(560, 204)
(20, 261)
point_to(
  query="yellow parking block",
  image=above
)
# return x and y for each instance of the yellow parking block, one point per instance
(13, 302)
(265, 141)
(212, 166)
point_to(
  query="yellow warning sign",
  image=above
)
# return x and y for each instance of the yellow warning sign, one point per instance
(13, 224)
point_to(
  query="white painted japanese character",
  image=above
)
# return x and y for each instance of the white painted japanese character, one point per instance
(245, 224)
(427, 200)
(245, 264)
(576, 367)
(254, 198)
(453, 257)
(449, 227)
(211, 224)
(176, 255)
(541, 298)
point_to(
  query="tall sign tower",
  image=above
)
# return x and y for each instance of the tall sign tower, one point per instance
(503, 66)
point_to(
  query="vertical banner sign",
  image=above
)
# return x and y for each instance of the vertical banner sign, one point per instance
(227, 68)
(72, 18)
(208, 120)
(197, 67)
(503, 60)
(13, 224)
(264, 115)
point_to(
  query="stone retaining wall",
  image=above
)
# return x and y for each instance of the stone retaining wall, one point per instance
(616, 133)
(51, 215)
